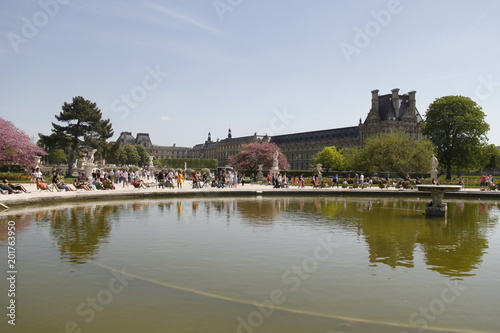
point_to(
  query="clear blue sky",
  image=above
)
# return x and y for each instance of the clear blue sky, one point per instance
(178, 69)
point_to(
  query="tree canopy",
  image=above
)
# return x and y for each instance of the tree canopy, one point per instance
(16, 146)
(457, 127)
(492, 157)
(330, 158)
(83, 127)
(392, 152)
(253, 154)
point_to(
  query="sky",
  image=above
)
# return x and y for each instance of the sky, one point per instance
(180, 69)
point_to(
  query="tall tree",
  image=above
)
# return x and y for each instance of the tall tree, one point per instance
(393, 152)
(253, 154)
(84, 126)
(16, 147)
(330, 158)
(143, 155)
(97, 140)
(457, 127)
(130, 155)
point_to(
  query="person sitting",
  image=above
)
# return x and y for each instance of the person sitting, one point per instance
(41, 186)
(8, 188)
(169, 183)
(80, 186)
(89, 184)
(108, 184)
(138, 183)
(62, 186)
(17, 187)
(97, 184)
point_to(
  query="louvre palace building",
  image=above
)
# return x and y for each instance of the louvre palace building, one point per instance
(389, 113)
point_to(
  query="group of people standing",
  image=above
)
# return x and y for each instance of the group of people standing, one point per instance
(487, 182)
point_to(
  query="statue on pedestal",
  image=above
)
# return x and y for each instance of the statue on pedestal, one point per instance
(90, 158)
(275, 159)
(434, 171)
(434, 163)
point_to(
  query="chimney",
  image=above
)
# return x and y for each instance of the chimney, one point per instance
(374, 101)
(413, 103)
(395, 101)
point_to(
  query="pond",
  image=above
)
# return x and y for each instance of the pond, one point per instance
(257, 264)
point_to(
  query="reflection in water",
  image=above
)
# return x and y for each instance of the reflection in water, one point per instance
(79, 231)
(392, 229)
(22, 221)
(455, 247)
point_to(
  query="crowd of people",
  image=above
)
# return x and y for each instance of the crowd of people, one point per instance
(223, 178)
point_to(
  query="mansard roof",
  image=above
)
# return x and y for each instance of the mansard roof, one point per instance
(335, 133)
(386, 107)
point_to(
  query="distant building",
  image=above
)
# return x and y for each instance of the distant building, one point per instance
(388, 114)
(300, 148)
(158, 152)
(222, 149)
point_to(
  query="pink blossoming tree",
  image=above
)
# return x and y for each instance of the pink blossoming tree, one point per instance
(253, 154)
(16, 146)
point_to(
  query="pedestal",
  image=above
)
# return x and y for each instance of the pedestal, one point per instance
(88, 170)
(431, 210)
(260, 176)
(434, 175)
(437, 207)
(274, 172)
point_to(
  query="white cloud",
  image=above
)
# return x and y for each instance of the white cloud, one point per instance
(164, 118)
(185, 19)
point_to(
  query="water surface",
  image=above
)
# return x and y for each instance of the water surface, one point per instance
(255, 265)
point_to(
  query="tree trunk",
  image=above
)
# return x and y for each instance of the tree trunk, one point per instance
(72, 158)
(448, 171)
(70, 162)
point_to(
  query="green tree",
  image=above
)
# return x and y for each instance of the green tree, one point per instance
(330, 158)
(393, 152)
(58, 156)
(82, 126)
(456, 126)
(131, 156)
(96, 139)
(491, 157)
(143, 155)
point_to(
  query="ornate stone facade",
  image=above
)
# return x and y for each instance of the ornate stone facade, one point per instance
(391, 113)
